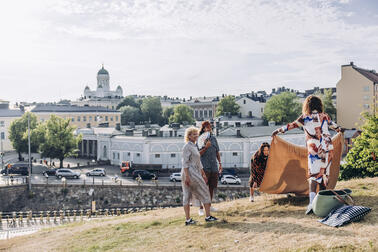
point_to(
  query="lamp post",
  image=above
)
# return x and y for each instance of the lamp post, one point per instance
(29, 166)
(2, 151)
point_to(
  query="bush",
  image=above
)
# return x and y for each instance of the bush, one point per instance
(361, 159)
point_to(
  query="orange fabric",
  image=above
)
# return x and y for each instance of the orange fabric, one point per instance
(286, 170)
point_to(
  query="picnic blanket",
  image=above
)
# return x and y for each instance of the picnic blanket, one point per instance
(286, 170)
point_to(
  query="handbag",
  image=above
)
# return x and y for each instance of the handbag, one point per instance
(327, 200)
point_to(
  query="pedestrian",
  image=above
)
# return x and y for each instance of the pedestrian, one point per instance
(210, 158)
(316, 125)
(258, 165)
(193, 177)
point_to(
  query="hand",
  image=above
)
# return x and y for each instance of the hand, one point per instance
(325, 180)
(187, 181)
(208, 144)
(276, 132)
(254, 185)
(204, 178)
(220, 168)
(330, 155)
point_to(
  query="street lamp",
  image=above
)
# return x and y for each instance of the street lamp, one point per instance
(29, 166)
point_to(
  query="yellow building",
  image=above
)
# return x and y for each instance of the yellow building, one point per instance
(80, 116)
(356, 92)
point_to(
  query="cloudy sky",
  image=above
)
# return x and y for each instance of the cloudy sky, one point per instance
(52, 49)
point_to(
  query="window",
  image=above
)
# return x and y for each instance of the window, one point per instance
(2, 123)
(366, 97)
(366, 106)
(73, 119)
(262, 110)
(113, 155)
(78, 118)
(234, 154)
(117, 155)
(366, 88)
(90, 118)
(113, 107)
(210, 113)
(84, 118)
(138, 154)
(106, 118)
(116, 118)
(2, 136)
(157, 155)
(201, 114)
(128, 154)
(173, 155)
(205, 113)
(111, 118)
(244, 101)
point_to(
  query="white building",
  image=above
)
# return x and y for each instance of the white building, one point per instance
(167, 151)
(7, 116)
(250, 107)
(103, 96)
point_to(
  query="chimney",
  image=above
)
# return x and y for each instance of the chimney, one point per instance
(351, 63)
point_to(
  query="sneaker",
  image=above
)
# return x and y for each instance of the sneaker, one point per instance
(200, 212)
(190, 222)
(251, 199)
(309, 209)
(257, 193)
(213, 209)
(210, 219)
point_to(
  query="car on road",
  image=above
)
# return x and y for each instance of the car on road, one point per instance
(67, 173)
(175, 177)
(20, 168)
(229, 179)
(50, 172)
(97, 172)
(143, 174)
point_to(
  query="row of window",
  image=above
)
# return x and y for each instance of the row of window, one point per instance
(2, 123)
(95, 118)
(203, 113)
(173, 155)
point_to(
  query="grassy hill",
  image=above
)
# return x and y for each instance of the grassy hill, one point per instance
(271, 223)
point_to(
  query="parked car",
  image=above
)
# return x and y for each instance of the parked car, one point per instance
(229, 179)
(20, 168)
(97, 172)
(175, 177)
(228, 171)
(67, 173)
(143, 174)
(50, 172)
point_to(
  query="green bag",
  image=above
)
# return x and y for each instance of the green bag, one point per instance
(326, 200)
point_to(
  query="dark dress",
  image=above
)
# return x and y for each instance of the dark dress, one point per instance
(258, 165)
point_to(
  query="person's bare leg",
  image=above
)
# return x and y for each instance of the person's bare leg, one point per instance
(207, 209)
(187, 211)
(251, 191)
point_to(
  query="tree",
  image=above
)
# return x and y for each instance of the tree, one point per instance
(329, 108)
(60, 141)
(361, 160)
(227, 104)
(131, 114)
(282, 108)
(128, 101)
(167, 112)
(182, 113)
(18, 134)
(152, 110)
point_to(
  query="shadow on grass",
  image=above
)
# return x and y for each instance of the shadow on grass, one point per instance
(281, 228)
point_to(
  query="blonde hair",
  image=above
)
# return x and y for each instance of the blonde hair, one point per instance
(312, 103)
(188, 132)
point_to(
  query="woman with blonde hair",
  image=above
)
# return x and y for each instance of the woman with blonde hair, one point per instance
(193, 177)
(316, 125)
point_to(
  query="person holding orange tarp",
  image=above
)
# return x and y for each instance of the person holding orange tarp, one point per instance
(316, 125)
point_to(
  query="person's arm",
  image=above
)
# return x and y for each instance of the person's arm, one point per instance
(204, 149)
(332, 125)
(186, 163)
(296, 124)
(220, 169)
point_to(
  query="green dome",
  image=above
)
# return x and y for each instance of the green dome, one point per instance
(103, 71)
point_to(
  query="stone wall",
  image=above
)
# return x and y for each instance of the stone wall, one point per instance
(57, 197)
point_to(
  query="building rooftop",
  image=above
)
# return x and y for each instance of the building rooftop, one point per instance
(70, 108)
(11, 113)
(370, 74)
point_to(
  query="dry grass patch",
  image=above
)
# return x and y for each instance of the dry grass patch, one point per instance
(272, 223)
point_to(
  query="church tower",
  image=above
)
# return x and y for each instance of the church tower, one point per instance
(103, 80)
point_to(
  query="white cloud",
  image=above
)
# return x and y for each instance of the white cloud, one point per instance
(168, 47)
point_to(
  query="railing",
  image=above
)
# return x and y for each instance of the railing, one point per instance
(10, 181)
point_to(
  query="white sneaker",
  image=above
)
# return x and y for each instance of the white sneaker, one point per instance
(251, 198)
(213, 209)
(200, 212)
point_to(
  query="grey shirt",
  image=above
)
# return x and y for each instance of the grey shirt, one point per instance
(209, 158)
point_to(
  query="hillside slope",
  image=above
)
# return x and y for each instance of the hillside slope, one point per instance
(271, 223)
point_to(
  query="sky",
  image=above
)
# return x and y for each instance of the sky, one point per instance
(51, 49)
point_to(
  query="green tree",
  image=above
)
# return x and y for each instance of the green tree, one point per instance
(128, 101)
(227, 104)
(361, 160)
(167, 112)
(18, 134)
(60, 141)
(131, 114)
(182, 113)
(282, 108)
(152, 110)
